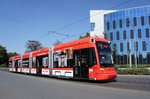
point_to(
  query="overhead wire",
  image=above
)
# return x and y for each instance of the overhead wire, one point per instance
(80, 20)
(56, 31)
(18, 21)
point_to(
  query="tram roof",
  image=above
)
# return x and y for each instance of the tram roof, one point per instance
(79, 41)
(40, 52)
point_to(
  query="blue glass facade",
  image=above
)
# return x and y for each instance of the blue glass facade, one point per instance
(129, 33)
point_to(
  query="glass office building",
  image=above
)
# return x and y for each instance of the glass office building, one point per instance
(129, 33)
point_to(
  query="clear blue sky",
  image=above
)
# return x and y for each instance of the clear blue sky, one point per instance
(23, 20)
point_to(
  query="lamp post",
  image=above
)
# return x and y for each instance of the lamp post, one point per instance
(130, 58)
(135, 46)
(130, 54)
(135, 53)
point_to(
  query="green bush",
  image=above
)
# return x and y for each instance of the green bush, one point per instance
(133, 66)
(144, 66)
(122, 66)
(134, 71)
(3, 65)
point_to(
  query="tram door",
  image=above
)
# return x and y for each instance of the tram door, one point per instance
(81, 63)
(16, 66)
(39, 65)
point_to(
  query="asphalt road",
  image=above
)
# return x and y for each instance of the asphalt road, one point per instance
(132, 82)
(19, 86)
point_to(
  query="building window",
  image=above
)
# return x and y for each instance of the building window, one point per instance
(144, 45)
(127, 22)
(128, 46)
(135, 21)
(111, 36)
(139, 33)
(124, 35)
(131, 34)
(149, 19)
(136, 46)
(120, 23)
(117, 35)
(114, 45)
(147, 32)
(121, 47)
(92, 26)
(142, 20)
(114, 24)
(108, 26)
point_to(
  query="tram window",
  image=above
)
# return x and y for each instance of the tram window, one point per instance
(84, 56)
(77, 58)
(45, 61)
(19, 63)
(87, 56)
(25, 62)
(16, 63)
(70, 63)
(55, 64)
(42, 61)
(92, 57)
(56, 60)
(63, 60)
(69, 53)
(33, 62)
(10, 64)
(38, 61)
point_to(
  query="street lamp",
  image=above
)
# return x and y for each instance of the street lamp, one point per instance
(135, 43)
(130, 54)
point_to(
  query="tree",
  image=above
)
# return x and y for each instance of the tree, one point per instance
(3, 56)
(86, 35)
(11, 54)
(33, 45)
(57, 42)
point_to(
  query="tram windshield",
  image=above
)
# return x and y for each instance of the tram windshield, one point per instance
(104, 53)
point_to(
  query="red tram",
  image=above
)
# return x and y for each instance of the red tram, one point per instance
(87, 58)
